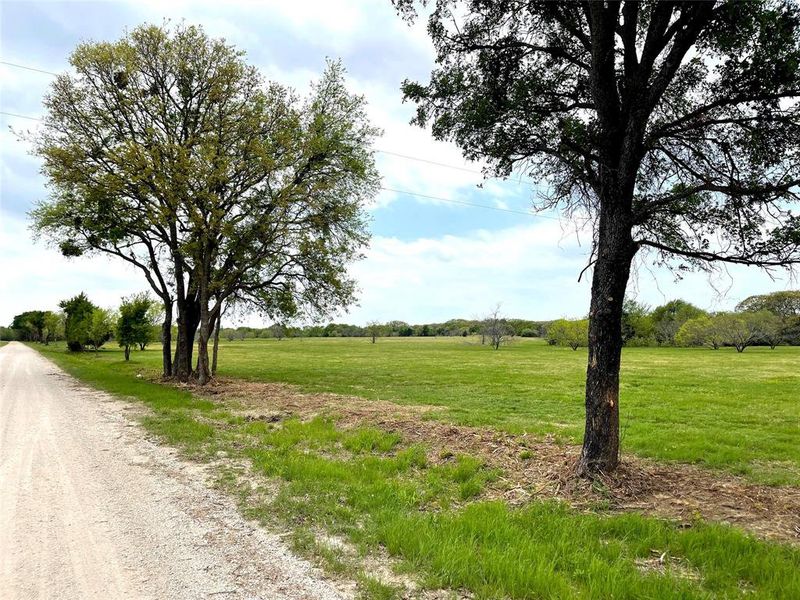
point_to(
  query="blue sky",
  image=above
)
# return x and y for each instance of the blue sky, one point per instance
(429, 260)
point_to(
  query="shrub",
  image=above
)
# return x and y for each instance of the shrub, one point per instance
(568, 333)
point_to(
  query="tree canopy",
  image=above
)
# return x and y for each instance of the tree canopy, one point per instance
(167, 150)
(133, 326)
(78, 312)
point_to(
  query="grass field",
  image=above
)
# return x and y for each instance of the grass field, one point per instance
(383, 496)
(738, 412)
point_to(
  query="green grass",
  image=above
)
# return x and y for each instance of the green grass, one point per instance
(738, 412)
(384, 496)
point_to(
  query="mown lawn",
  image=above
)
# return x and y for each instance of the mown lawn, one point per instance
(385, 497)
(737, 412)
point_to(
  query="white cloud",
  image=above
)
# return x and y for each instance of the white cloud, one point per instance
(35, 277)
(526, 268)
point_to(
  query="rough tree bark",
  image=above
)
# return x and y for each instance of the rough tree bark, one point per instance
(217, 322)
(166, 340)
(615, 253)
(204, 333)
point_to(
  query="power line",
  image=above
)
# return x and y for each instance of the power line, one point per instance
(442, 199)
(385, 189)
(2, 112)
(430, 162)
(380, 150)
(396, 191)
(18, 66)
(448, 166)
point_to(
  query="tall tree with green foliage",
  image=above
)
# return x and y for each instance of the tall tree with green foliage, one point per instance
(668, 318)
(673, 126)
(167, 150)
(78, 312)
(29, 326)
(785, 305)
(101, 327)
(133, 326)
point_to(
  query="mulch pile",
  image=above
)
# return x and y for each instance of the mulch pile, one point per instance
(541, 468)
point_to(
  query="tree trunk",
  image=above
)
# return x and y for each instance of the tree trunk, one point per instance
(166, 340)
(188, 318)
(615, 251)
(204, 333)
(217, 323)
(127, 352)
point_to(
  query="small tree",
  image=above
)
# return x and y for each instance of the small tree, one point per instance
(375, 330)
(700, 331)
(278, 331)
(101, 326)
(769, 325)
(563, 332)
(134, 324)
(496, 329)
(78, 313)
(53, 327)
(740, 330)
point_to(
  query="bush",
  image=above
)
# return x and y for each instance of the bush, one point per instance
(568, 333)
(78, 313)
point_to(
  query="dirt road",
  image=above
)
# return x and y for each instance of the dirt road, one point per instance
(89, 508)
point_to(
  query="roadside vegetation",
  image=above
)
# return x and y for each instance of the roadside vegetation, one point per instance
(719, 409)
(368, 505)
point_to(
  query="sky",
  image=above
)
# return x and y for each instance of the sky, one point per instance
(433, 256)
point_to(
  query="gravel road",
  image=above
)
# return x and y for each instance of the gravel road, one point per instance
(90, 508)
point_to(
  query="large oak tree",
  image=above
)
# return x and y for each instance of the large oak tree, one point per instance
(673, 125)
(167, 150)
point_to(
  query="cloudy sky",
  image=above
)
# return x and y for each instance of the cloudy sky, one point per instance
(433, 256)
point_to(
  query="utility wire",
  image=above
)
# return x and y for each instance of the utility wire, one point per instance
(2, 112)
(442, 199)
(10, 64)
(447, 166)
(388, 152)
(430, 162)
(380, 150)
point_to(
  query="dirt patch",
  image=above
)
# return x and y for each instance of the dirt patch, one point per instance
(535, 467)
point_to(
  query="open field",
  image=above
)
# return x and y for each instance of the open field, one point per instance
(360, 499)
(738, 412)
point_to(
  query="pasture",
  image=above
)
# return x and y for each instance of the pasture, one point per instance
(399, 518)
(737, 412)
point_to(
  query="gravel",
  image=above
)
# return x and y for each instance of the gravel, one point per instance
(90, 508)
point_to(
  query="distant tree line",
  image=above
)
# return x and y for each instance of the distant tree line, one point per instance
(451, 328)
(765, 320)
(83, 325)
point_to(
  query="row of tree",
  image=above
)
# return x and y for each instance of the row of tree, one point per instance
(451, 328)
(778, 320)
(82, 324)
